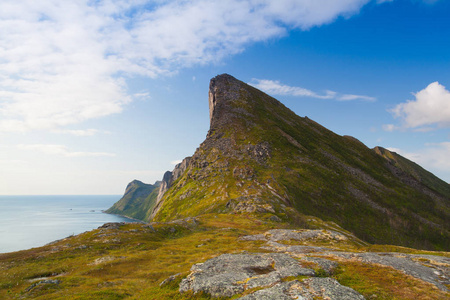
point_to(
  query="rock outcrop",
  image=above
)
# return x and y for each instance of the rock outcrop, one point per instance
(231, 274)
(430, 268)
(261, 158)
(168, 179)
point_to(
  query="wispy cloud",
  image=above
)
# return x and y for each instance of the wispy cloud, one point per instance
(80, 132)
(275, 87)
(389, 127)
(61, 150)
(64, 62)
(350, 97)
(430, 108)
(142, 96)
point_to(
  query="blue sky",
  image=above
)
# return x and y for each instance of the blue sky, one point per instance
(94, 94)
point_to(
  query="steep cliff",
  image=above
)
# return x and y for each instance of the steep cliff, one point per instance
(141, 201)
(168, 179)
(260, 157)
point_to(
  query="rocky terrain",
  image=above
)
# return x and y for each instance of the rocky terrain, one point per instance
(260, 157)
(221, 256)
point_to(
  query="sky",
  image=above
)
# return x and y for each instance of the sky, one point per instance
(97, 93)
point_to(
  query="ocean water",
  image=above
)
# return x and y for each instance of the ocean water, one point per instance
(33, 221)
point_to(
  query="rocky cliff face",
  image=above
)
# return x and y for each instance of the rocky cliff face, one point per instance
(261, 158)
(168, 179)
(141, 201)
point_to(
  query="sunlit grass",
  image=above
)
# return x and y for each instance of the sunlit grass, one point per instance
(131, 262)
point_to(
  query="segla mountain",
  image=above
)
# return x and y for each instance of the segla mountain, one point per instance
(260, 158)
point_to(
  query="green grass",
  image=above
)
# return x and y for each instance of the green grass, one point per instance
(135, 263)
(377, 282)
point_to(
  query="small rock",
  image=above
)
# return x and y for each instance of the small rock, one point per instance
(47, 281)
(169, 279)
(275, 219)
(149, 226)
(256, 237)
(104, 259)
(114, 225)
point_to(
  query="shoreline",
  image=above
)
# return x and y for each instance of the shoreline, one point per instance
(29, 222)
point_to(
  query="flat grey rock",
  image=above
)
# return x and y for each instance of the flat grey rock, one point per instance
(307, 289)
(302, 235)
(295, 249)
(276, 235)
(230, 274)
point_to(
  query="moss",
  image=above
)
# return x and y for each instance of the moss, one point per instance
(376, 282)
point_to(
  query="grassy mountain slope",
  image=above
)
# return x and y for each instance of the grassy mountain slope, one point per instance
(131, 261)
(412, 169)
(261, 157)
(138, 200)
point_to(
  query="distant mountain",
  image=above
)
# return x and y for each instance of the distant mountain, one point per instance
(138, 200)
(261, 158)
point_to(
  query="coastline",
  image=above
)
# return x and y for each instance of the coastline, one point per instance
(27, 222)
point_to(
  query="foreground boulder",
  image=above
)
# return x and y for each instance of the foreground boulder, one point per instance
(231, 274)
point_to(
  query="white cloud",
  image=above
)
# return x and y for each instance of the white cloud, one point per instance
(175, 162)
(80, 132)
(431, 107)
(64, 62)
(350, 97)
(12, 162)
(389, 127)
(61, 150)
(396, 150)
(274, 87)
(142, 96)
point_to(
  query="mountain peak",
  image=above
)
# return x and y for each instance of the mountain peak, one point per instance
(260, 158)
(222, 89)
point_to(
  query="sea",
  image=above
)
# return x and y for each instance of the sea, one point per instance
(32, 221)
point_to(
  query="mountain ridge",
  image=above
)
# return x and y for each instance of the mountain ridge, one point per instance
(260, 157)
